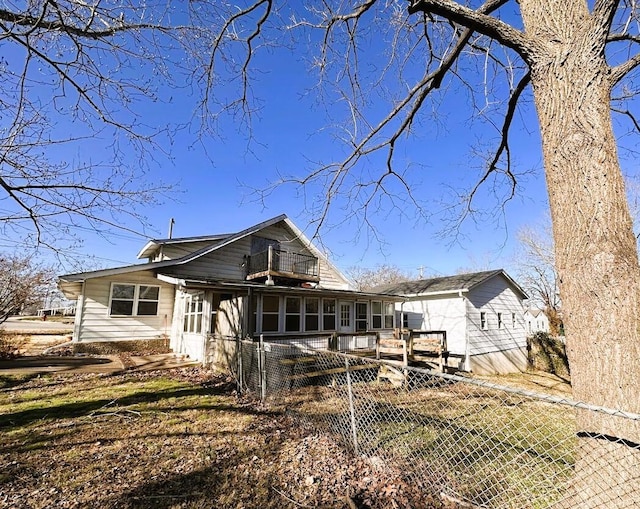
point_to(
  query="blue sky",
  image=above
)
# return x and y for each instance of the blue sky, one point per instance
(215, 191)
(215, 178)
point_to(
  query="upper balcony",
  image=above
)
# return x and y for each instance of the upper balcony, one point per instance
(274, 263)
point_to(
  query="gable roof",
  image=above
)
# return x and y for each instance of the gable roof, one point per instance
(446, 284)
(154, 244)
(218, 242)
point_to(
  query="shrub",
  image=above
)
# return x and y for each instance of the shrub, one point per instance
(9, 345)
(548, 353)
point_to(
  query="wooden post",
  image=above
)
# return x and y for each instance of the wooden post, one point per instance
(352, 412)
(405, 353)
(410, 344)
(333, 341)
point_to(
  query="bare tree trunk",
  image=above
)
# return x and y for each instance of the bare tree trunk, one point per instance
(555, 322)
(596, 254)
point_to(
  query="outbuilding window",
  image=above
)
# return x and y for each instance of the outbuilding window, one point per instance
(133, 300)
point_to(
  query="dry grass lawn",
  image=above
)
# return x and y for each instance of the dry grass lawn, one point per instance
(173, 439)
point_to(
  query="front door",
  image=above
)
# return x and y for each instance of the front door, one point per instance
(345, 317)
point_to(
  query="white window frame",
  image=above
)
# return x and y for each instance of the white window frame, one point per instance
(194, 326)
(277, 313)
(294, 313)
(388, 315)
(358, 319)
(483, 321)
(500, 323)
(334, 315)
(377, 316)
(135, 300)
(308, 314)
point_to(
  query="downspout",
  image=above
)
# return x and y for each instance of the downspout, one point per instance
(247, 330)
(77, 322)
(467, 347)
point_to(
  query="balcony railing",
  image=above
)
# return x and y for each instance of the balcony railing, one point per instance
(274, 262)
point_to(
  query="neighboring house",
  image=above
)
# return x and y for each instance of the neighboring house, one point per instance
(268, 279)
(480, 313)
(536, 321)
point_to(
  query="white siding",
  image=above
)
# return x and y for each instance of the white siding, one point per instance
(224, 263)
(178, 250)
(493, 297)
(229, 318)
(95, 324)
(439, 313)
(227, 262)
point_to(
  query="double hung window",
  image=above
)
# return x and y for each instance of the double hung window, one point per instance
(193, 310)
(134, 300)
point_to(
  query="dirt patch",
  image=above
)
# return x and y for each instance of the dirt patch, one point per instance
(134, 347)
(180, 440)
(15, 344)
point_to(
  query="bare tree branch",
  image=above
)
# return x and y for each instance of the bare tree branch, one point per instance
(478, 21)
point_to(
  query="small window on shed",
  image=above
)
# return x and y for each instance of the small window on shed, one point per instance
(500, 324)
(483, 320)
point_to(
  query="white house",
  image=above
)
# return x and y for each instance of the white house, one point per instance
(481, 315)
(268, 279)
(536, 321)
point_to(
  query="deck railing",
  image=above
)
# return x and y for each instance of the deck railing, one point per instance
(276, 260)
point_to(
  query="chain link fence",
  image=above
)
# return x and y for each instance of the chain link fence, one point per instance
(472, 443)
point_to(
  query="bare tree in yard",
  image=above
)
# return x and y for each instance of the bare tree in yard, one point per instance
(574, 58)
(365, 278)
(75, 150)
(23, 283)
(537, 274)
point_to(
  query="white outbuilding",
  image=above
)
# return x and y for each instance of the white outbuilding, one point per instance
(480, 315)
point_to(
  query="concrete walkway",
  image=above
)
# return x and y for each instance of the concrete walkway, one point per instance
(81, 364)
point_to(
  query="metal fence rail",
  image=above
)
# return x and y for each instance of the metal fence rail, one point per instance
(466, 440)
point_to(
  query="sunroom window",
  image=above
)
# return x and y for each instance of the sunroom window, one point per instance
(270, 313)
(311, 314)
(376, 315)
(292, 314)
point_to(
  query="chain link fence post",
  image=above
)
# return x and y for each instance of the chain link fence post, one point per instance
(240, 377)
(262, 369)
(352, 412)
